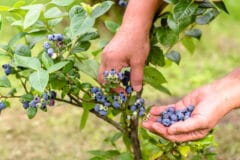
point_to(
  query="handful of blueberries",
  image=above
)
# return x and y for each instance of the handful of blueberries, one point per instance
(171, 115)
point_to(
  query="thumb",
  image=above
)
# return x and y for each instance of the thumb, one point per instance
(137, 72)
(187, 126)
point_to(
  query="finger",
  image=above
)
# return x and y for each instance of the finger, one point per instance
(100, 74)
(136, 76)
(157, 110)
(159, 129)
(188, 136)
(189, 125)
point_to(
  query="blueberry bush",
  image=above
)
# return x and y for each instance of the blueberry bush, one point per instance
(54, 57)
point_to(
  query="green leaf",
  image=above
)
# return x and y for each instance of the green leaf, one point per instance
(27, 62)
(167, 37)
(125, 156)
(4, 8)
(15, 38)
(207, 17)
(156, 56)
(101, 9)
(19, 4)
(111, 26)
(0, 22)
(195, 33)
(184, 9)
(153, 77)
(53, 12)
(174, 56)
(47, 61)
(184, 150)
(189, 44)
(62, 2)
(4, 82)
(32, 15)
(39, 80)
(89, 36)
(90, 67)
(31, 112)
(221, 5)
(105, 154)
(81, 47)
(56, 67)
(23, 50)
(86, 109)
(27, 97)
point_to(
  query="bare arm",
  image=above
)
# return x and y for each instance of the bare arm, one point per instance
(130, 46)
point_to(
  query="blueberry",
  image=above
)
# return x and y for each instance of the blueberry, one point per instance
(45, 96)
(5, 66)
(116, 104)
(166, 115)
(50, 37)
(8, 71)
(2, 106)
(171, 109)
(43, 105)
(120, 76)
(141, 113)
(123, 98)
(37, 99)
(94, 89)
(142, 109)
(113, 72)
(186, 117)
(180, 115)
(129, 89)
(53, 94)
(103, 113)
(166, 122)
(33, 104)
(97, 107)
(190, 108)
(46, 45)
(133, 108)
(50, 51)
(105, 73)
(57, 37)
(173, 117)
(25, 104)
(51, 102)
(122, 3)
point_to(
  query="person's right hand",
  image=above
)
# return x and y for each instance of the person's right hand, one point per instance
(128, 48)
(211, 104)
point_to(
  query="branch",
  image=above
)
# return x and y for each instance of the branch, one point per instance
(79, 104)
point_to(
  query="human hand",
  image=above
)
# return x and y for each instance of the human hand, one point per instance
(209, 109)
(128, 48)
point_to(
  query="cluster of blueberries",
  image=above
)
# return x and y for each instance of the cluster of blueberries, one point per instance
(2, 106)
(122, 3)
(103, 103)
(47, 45)
(7, 69)
(171, 115)
(42, 102)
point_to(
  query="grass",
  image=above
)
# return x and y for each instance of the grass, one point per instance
(56, 134)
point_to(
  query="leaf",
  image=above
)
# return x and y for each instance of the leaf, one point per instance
(19, 4)
(0, 22)
(105, 154)
(27, 62)
(15, 38)
(153, 77)
(47, 61)
(80, 23)
(32, 15)
(111, 26)
(62, 2)
(221, 5)
(39, 80)
(90, 67)
(207, 17)
(156, 56)
(125, 156)
(167, 37)
(174, 56)
(189, 44)
(23, 50)
(81, 47)
(195, 33)
(56, 67)
(31, 112)
(53, 12)
(184, 150)
(4, 8)
(4, 82)
(86, 109)
(101, 9)
(89, 36)
(27, 97)
(184, 9)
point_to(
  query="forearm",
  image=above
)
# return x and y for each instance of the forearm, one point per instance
(228, 89)
(139, 15)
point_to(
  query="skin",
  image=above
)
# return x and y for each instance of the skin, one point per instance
(211, 103)
(130, 46)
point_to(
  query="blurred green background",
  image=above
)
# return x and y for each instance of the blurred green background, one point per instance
(56, 134)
